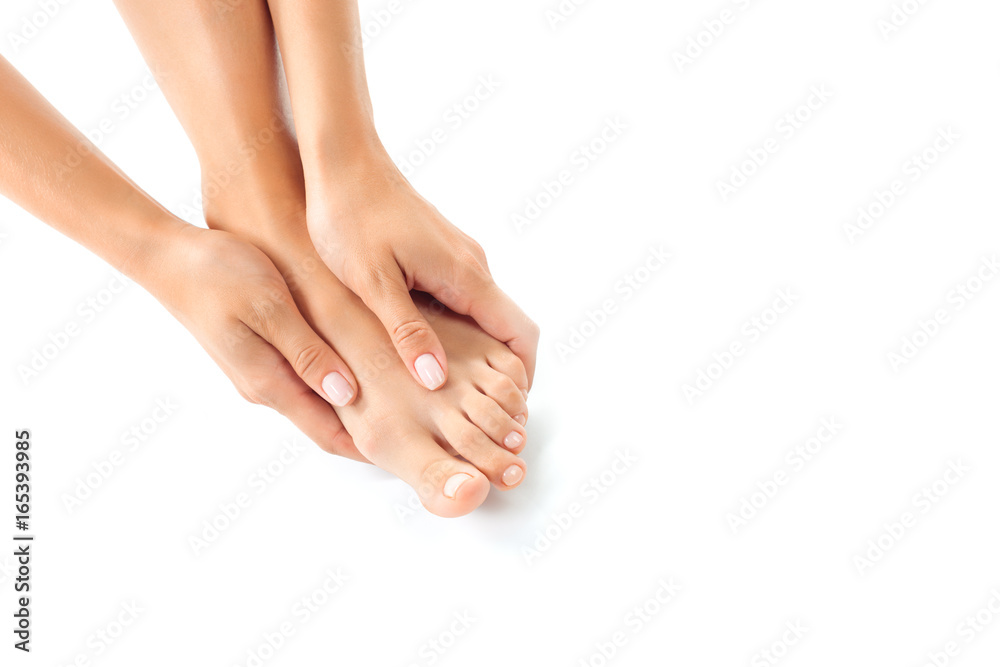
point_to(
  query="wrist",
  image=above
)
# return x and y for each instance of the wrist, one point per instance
(161, 243)
(349, 158)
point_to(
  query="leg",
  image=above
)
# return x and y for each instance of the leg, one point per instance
(373, 230)
(228, 84)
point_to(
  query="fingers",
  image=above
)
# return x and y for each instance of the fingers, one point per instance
(415, 341)
(313, 416)
(264, 377)
(310, 356)
(481, 299)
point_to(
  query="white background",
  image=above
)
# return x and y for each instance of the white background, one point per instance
(665, 516)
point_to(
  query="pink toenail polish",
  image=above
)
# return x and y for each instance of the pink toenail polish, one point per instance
(338, 389)
(525, 392)
(454, 482)
(513, 441)
(430, 371)
(512, 475)
(521, 419)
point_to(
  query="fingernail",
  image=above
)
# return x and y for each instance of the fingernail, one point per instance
(521, 419)
(429, 371)
(454, 482)
(512, 475)
(338, 389)
(513, 441)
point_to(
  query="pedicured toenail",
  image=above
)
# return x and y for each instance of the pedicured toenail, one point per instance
(338, 389)
(512, 475)
(521, 419)
(430, 371)
(513, 441)
(454, 482)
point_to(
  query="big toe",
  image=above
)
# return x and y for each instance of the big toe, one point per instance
(446, 485)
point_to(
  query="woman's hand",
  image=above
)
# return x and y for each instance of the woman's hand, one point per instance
(225, 291)
(236, 304)
(382, 240)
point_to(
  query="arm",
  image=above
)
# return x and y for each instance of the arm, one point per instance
(375, 232)
(225, 291)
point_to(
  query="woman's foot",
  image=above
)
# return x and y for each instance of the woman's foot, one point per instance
(449, 444)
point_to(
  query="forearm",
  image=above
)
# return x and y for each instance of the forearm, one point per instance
(56, 174)
(324, 64)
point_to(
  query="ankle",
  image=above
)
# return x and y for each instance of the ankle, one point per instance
(263, 193)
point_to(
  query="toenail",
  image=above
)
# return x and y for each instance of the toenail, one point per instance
(513, 441)
(525, 393)
(338, 389)
(512, 475)
(430, 371)
(454, 482)
(521, 419)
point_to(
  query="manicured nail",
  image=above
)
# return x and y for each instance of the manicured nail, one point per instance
(429, 371)
(338, 389)
(454, 482)
(513, 441)
(512, 475)
(525, 392)
(521, 419)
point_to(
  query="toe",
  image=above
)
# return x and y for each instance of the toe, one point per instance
(491, 419)
(501, 467)
(504, 361)
(446, 486)
(504, 392)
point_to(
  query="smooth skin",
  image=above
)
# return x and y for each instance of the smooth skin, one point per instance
(219, 70)
(374, 231)
(224, 290)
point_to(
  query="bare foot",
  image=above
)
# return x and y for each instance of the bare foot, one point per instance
(449, 444)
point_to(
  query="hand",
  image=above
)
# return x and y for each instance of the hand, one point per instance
(234, 301)
(382, 240)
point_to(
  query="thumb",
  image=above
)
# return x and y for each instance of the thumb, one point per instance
(310, 356)
(414, 339)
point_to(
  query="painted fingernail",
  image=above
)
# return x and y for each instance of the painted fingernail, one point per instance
(338, 389)
(512, 475)
(513, 441)
(430, 371)
(454, 482)
(521, 419)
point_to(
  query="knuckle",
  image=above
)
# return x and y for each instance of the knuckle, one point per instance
(309, 360)
(261, 309)
(513, 368)
(379, 435)
(476, 250)
(468, 440)
(378, 275)
(534, 331)
(257, 391)
(507, 392)
(411, 335)
(472, 266)
(333, 441)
